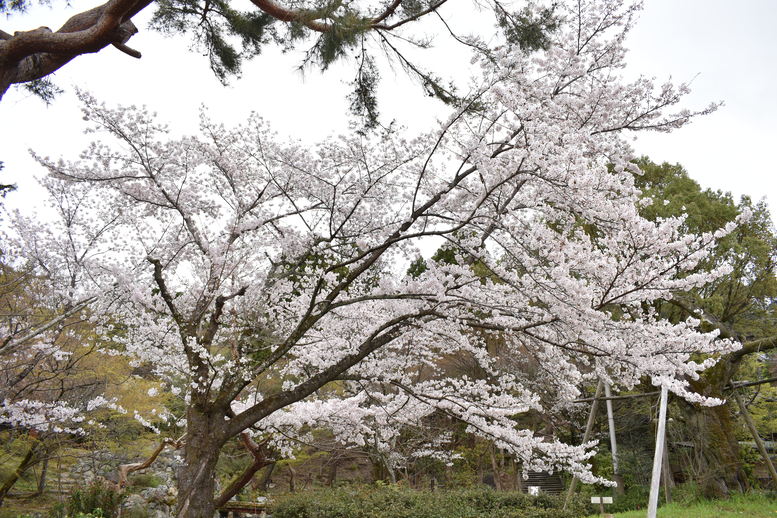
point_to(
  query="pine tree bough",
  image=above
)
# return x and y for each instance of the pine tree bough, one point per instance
(29, 55)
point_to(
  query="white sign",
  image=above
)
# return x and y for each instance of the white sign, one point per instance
(601, 499)
(534, 490)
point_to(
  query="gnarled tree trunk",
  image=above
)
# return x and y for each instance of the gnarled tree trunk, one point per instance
(205, 436)
(712, 431)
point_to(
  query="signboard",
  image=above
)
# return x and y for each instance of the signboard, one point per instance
(601, 499)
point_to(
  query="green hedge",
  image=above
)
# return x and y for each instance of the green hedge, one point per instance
(396, 502)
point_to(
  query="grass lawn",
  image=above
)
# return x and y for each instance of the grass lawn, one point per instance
(750, 506)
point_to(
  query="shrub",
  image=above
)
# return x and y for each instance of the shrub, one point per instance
(96, 501)
(395, 502)
(633, 499)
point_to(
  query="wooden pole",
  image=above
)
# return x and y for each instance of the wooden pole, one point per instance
(613, 441)
(655, 480)
(667, 474)
(495, 469)
(757, 438)
(586, 437)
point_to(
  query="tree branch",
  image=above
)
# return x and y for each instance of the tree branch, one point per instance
(9, 346)
(409, 19)
(741, 384)
(754, 346)
(126, 469)
(292, 15)
(259, 453)
(29, 55)
(165, 293)
(384, 335)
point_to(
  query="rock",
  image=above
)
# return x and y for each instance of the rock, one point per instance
(134, 503)
(159, 495)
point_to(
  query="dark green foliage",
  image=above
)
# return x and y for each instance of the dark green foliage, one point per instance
(417, 268)
(44, 88)
(395, 502)
(414, 7)
(705, 210)
(5, 188)
(97, 499)
(744, 298)
(364, 102)
(307, 268)
(741, 303)
(333, 44)
(633, 499)
(750, 459)
(227, 35)
(525, 30)
(13, 6)
(445, 255)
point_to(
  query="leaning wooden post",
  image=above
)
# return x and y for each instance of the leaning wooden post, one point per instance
(667, 474)
(757, 438)
(655, 480)
(613, 442)
(586, 437)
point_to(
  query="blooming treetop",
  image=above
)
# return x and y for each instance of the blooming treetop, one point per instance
(44, 342)
(252, 273)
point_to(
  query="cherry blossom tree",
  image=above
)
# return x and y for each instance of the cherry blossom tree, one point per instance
(48, 389)
(266, 282)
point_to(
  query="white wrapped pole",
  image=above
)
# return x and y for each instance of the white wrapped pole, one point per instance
(611, 423)
(658, 457)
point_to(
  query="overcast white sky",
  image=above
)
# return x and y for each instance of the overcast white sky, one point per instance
(729, 47)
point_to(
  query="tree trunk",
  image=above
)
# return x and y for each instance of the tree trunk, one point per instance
(718, 451)
(292, 479)
(30, 459)
(390, 470)
(265, 479)
(518, 476)
(42, 479)
(495, 468)
(331, 475)
(712, 431)
(197, 476)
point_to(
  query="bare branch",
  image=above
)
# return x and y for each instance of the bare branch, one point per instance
(126, 469)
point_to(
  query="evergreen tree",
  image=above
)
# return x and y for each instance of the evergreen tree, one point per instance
(740, 305)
